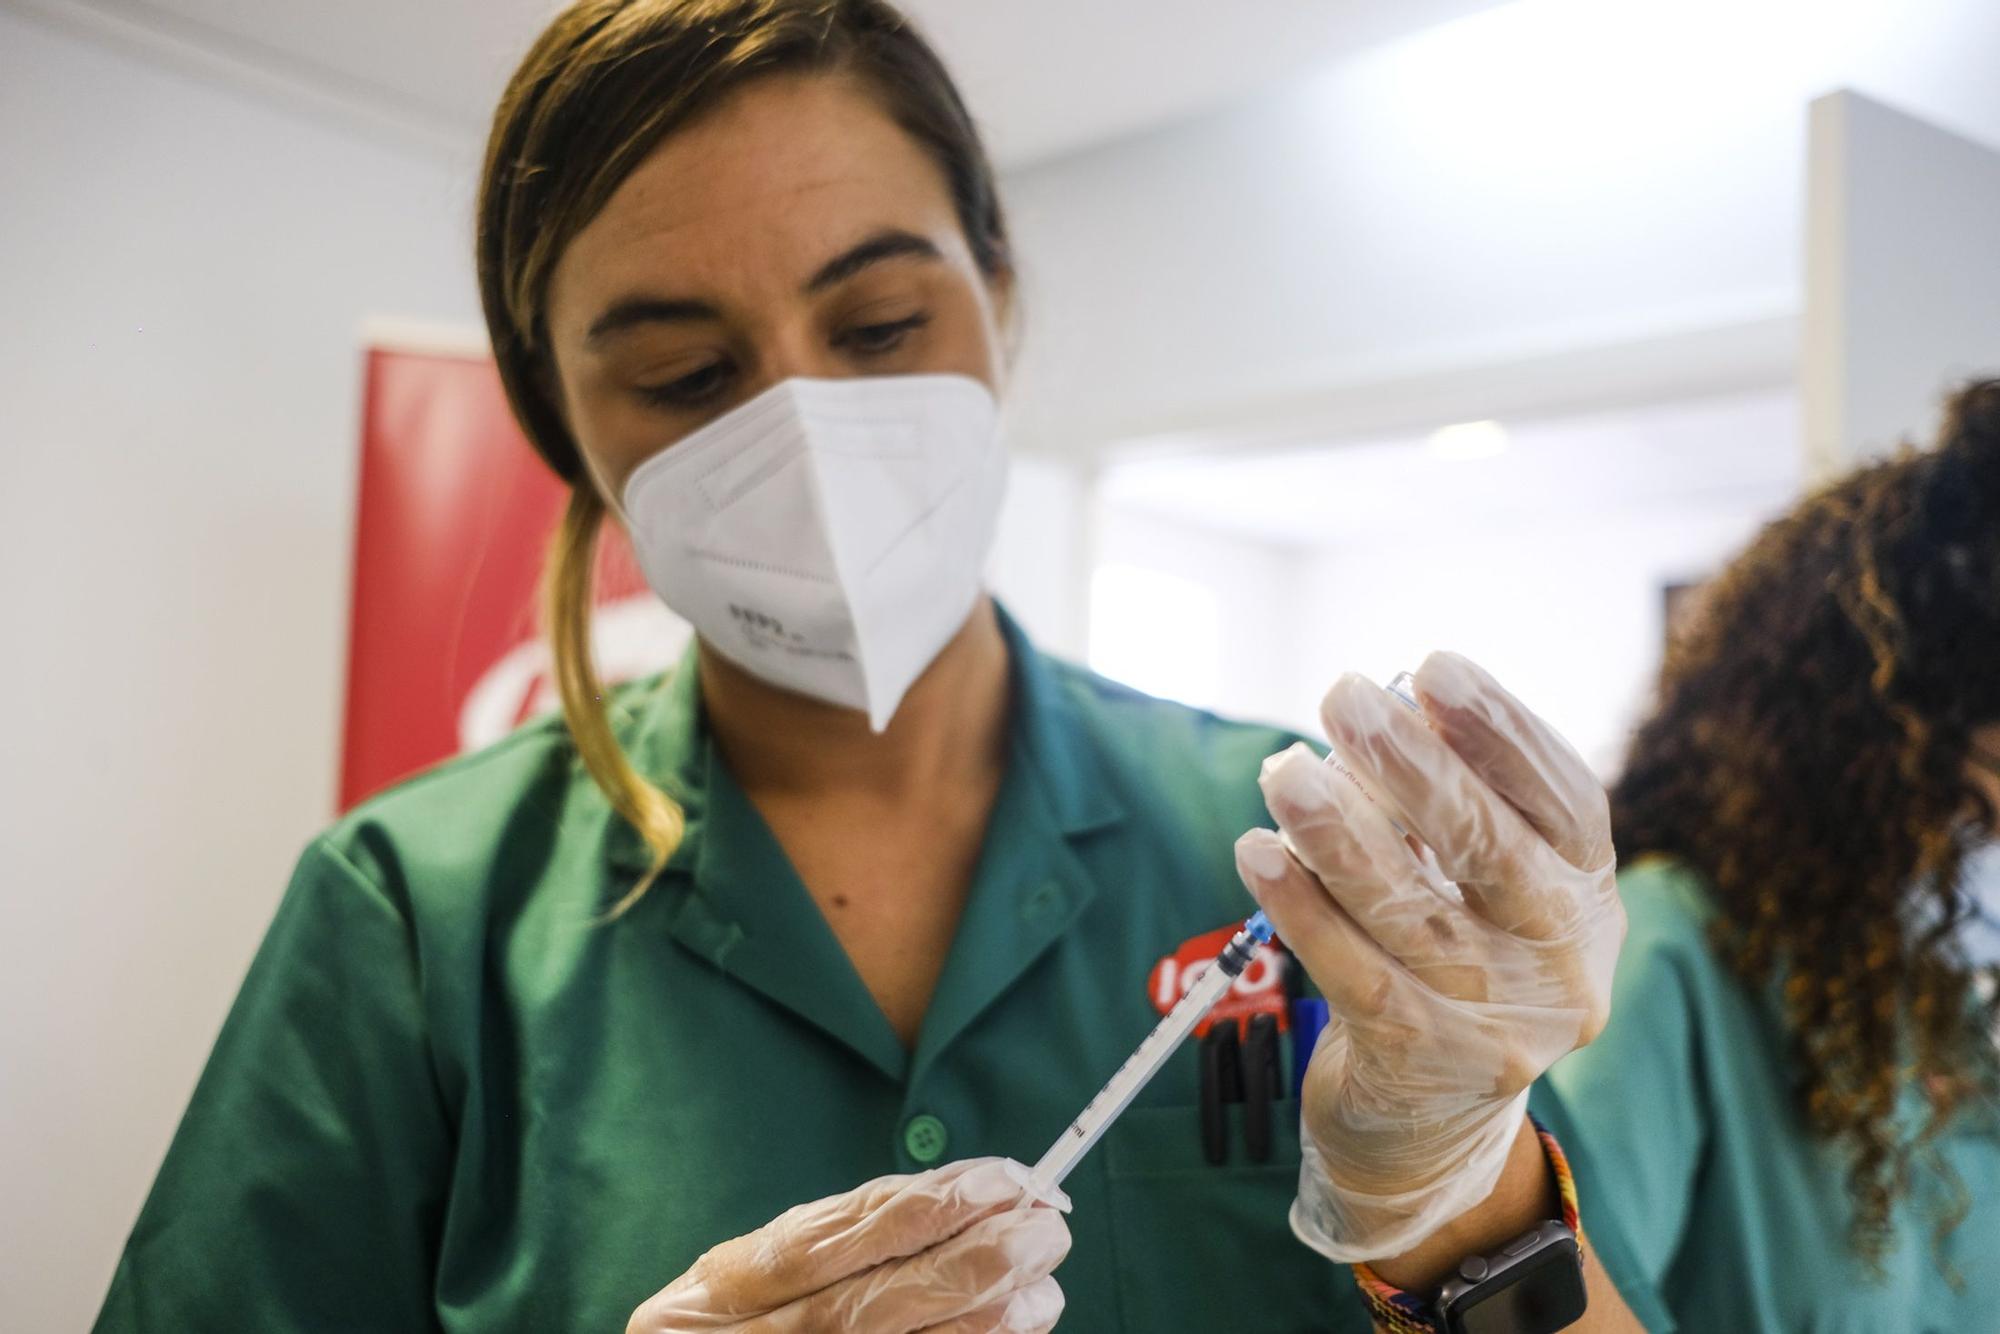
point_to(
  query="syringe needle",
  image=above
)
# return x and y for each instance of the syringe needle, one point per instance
(1147, 1058)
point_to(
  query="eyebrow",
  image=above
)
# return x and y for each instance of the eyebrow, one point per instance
(636, 310)
(885, 245)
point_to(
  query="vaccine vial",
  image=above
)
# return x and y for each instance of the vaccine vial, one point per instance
(1403, 685)
(1403, 688)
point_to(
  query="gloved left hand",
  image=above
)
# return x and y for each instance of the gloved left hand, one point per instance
(1459, 960)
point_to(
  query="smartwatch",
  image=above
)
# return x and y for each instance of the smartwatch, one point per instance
(1532, 1285)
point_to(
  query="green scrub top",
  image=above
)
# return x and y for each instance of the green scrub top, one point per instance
(448, 1097)
(1729, 1206)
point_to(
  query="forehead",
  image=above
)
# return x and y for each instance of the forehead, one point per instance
(759, 190)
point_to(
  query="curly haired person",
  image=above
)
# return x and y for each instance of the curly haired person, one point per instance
(1806, 821)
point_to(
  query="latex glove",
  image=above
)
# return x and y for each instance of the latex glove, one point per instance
(1447, 999)
(958, 1250)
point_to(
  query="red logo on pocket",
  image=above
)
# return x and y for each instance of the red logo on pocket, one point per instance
(1260, 989)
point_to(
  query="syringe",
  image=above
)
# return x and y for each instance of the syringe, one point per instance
(1147, 1058)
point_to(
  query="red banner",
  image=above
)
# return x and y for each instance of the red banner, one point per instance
(453, 523)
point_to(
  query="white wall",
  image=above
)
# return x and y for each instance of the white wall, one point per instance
(1254, 584)
(1566, 614)
(1040, 563)
(1546, 563)
(1565, 610)
(1541, 178)
(1902, 276)
(183, 275)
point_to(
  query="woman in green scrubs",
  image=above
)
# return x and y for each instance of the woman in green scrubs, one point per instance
(864, 897)
(1801, 1013)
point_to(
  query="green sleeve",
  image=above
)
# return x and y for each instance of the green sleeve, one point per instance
(1634, 1101)
(305, 1186)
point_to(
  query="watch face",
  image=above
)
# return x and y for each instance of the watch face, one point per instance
(1544, 1293)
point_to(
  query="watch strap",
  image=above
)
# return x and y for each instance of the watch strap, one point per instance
(1400, 1312)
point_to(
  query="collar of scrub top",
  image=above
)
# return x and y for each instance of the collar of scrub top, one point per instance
(730, 896)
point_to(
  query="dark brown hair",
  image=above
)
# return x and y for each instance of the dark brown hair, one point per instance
(1809, 758)
(602, 86)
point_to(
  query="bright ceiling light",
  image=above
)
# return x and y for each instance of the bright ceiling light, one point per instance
(1469, 440)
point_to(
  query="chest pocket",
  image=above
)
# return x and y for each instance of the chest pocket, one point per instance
(1202, 1246)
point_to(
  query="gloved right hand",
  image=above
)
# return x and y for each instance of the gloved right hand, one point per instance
(962, 1249)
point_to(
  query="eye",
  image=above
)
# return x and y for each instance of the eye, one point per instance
(693, 389)
(874, 340)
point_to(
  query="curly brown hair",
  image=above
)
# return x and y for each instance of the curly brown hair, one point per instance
(1809, 757)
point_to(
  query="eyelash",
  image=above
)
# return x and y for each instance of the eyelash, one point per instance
(700, 387)
(891, 333)
(689, 391)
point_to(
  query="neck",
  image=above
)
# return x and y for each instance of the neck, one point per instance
(952, 724)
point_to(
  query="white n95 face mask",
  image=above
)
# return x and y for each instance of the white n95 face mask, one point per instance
(828, 536)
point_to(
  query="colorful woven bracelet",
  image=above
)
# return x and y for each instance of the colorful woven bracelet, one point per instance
(1400, 1312)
